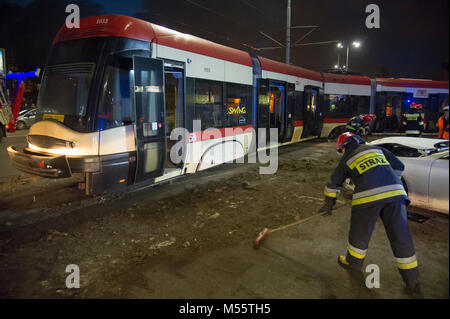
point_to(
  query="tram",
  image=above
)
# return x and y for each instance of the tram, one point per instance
(114, 91)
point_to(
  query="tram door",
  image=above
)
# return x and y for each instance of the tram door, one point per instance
(289, 114)
(272, 107)
(150, 117)
(311, 112)
(393, 111)
(263, 107)
(277, 108)
(174, 97)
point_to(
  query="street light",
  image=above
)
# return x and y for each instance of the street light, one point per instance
(356, 44)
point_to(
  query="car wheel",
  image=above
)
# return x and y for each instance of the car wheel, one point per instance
(334, 134)
(21, 125)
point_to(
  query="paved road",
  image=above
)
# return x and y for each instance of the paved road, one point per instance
(19, 140)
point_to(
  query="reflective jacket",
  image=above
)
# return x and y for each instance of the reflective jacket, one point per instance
(374, 171)
(413, 122)
(442, 124)
(355, 124)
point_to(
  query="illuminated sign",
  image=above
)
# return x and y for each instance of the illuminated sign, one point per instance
(56, 117)
(236, 110)
(2, 61)
(421, 93)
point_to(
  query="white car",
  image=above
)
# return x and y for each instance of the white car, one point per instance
(426, 177)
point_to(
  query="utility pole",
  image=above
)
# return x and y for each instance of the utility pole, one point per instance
(346, 64)
(288, 31)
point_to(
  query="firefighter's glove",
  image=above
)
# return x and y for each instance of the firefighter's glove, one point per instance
(328, 206)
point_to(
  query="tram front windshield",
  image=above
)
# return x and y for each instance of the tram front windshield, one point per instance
(67, 81)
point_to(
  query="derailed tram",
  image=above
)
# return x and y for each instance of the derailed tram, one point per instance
(114, 90)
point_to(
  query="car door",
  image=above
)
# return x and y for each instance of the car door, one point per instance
(416, 176)
(439, 184)
(30, 118)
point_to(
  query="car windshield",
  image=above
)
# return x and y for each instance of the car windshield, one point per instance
(401, 150)
(406, 151)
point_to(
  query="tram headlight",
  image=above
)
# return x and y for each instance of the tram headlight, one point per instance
(58, 151)
(31, 146)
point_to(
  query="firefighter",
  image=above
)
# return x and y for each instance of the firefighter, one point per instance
(413, 120)
(442, 124)
(379, 192)
(355, 124)
(360, 124)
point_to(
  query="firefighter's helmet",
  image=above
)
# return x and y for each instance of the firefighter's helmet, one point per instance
(348, 138)
(369, 118)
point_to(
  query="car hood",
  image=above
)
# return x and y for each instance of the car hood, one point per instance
(413, 142)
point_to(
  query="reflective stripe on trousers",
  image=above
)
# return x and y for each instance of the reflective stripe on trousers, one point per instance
(407, 263)
(356, 252)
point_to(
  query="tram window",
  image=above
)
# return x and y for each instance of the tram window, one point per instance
(64, 90)
(174, 99)
(347, 105)
(208, 103)
(362, 104)
(115, 107)
(238, 106)
(339, 106)
(276, 106)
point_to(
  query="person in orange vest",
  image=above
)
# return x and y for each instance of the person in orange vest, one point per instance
(442, 124)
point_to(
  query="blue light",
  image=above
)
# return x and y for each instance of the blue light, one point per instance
(22, 75)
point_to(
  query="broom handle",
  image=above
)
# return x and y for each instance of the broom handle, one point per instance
(299, 221)
(295, 223)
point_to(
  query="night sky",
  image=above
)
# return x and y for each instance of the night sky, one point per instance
(412, 41)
